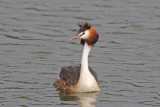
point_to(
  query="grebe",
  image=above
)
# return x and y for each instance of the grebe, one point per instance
(81, 78)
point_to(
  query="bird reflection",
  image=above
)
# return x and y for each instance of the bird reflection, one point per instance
(84, 99)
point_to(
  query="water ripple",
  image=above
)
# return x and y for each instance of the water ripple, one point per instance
(34, 44)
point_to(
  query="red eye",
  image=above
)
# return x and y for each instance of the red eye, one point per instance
(82, 34)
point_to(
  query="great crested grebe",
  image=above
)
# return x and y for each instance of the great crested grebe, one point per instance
(81, 78)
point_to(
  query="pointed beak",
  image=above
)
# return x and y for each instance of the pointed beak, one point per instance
(76, 37)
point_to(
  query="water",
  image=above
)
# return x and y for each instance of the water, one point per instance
(34, 45)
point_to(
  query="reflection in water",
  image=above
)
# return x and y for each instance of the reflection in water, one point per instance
(85, 99)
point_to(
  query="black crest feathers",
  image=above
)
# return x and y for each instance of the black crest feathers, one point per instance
(84, 25)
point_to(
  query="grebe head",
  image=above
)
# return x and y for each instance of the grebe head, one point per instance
(87, 34)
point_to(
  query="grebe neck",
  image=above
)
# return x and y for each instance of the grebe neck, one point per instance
(84, 61)
(86, 82)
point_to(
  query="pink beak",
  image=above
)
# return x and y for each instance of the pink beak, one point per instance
(78, 36)
(75, 37)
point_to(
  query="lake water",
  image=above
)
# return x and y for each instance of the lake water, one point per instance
(34, 45)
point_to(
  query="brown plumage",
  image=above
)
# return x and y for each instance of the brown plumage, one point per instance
(91, 39)
(69, 77)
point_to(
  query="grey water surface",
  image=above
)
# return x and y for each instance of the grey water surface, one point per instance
(34, 45)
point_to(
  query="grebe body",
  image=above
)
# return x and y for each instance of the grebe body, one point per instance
(81, 78)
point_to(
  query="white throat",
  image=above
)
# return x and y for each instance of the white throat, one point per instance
(84, 60)
(86, 82)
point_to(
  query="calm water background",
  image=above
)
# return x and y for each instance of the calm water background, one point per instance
(34, 45)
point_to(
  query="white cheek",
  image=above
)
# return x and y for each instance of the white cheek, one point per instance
(85, 36)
